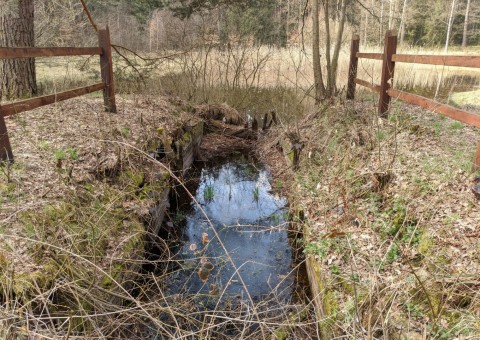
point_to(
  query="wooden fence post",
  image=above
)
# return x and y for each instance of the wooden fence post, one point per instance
(352, 70)
(476, 162)
(106, 67)
(6, 153)
(387, 71)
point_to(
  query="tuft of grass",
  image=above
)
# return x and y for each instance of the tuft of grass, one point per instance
(209, 193)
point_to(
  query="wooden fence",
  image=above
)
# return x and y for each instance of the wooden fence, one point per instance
(389, 57)
(104, 50)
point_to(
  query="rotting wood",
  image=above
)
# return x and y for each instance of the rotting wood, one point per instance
(30, 104)
(443, 60)
(352, 69)
(38, 52)
(431, 105)
(373, 87)
(230, 130)
(316, 280)
(374, 56)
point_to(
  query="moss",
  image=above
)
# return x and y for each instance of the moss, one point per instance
(280, 335)
(108, 282)
(27, 284)
(425, 245)
(291, 156)
(136, 178)
(185, 139)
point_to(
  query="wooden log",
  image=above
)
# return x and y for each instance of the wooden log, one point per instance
(352, 69)
(255, 124)
(444, 60)
(374, 56)
(373, 87)
(106, 67)
(431, 105)
(6, 153)
(265, 122)
(30, 104)
(387, 71)
(37, 52)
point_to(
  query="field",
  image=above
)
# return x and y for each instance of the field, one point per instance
(383, 206)
(235, 76)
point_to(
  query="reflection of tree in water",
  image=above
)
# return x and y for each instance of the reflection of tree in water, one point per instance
(250, 232)
(234, 172)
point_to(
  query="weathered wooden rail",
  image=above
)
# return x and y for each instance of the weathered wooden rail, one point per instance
(389, 57)
(104, 50)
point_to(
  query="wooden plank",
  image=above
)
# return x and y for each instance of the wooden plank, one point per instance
(352, 69)
(461, 61)
(431, 105)
(6, 153)
(371, 86)
(388, 69)
(376, 56)
(30, 104)
(106, 69)
(36, 52)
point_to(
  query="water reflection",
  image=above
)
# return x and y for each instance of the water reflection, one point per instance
(247, 225)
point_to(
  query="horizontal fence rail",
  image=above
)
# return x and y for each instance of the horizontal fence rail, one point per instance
(371, 86)
(389, 57)
(442, 60)
(30, 104)
(375, 56)
(38, 52)
(104, 50)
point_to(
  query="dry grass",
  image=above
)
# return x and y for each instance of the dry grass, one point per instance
(401, 256)
(74, 207)
(233, 75)
(391, 221)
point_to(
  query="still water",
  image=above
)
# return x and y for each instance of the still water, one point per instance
(236, 245)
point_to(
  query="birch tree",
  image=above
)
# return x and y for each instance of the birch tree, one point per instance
(465, 25)
(449, 26)
(402, 21)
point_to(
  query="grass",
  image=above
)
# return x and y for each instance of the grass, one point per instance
(391, 235)
(381, 254)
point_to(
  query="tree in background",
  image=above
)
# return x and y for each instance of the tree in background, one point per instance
(465, 25)
(325, 89)
(17, 76)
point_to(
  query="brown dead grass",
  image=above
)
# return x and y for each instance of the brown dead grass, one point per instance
(389, 217)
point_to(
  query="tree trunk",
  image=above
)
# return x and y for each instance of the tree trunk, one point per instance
(338, 43)
(391, 13)
(450, 23)
(465, 25)
(17, 76)
(317, 67)
(328, 43)
(381, 23)
(402, 21)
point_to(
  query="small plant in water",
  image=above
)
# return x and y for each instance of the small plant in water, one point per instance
(208, 193)
(256, 193)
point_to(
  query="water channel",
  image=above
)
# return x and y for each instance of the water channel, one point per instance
(235, 246)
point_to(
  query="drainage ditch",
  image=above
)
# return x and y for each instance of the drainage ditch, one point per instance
(230, 252)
